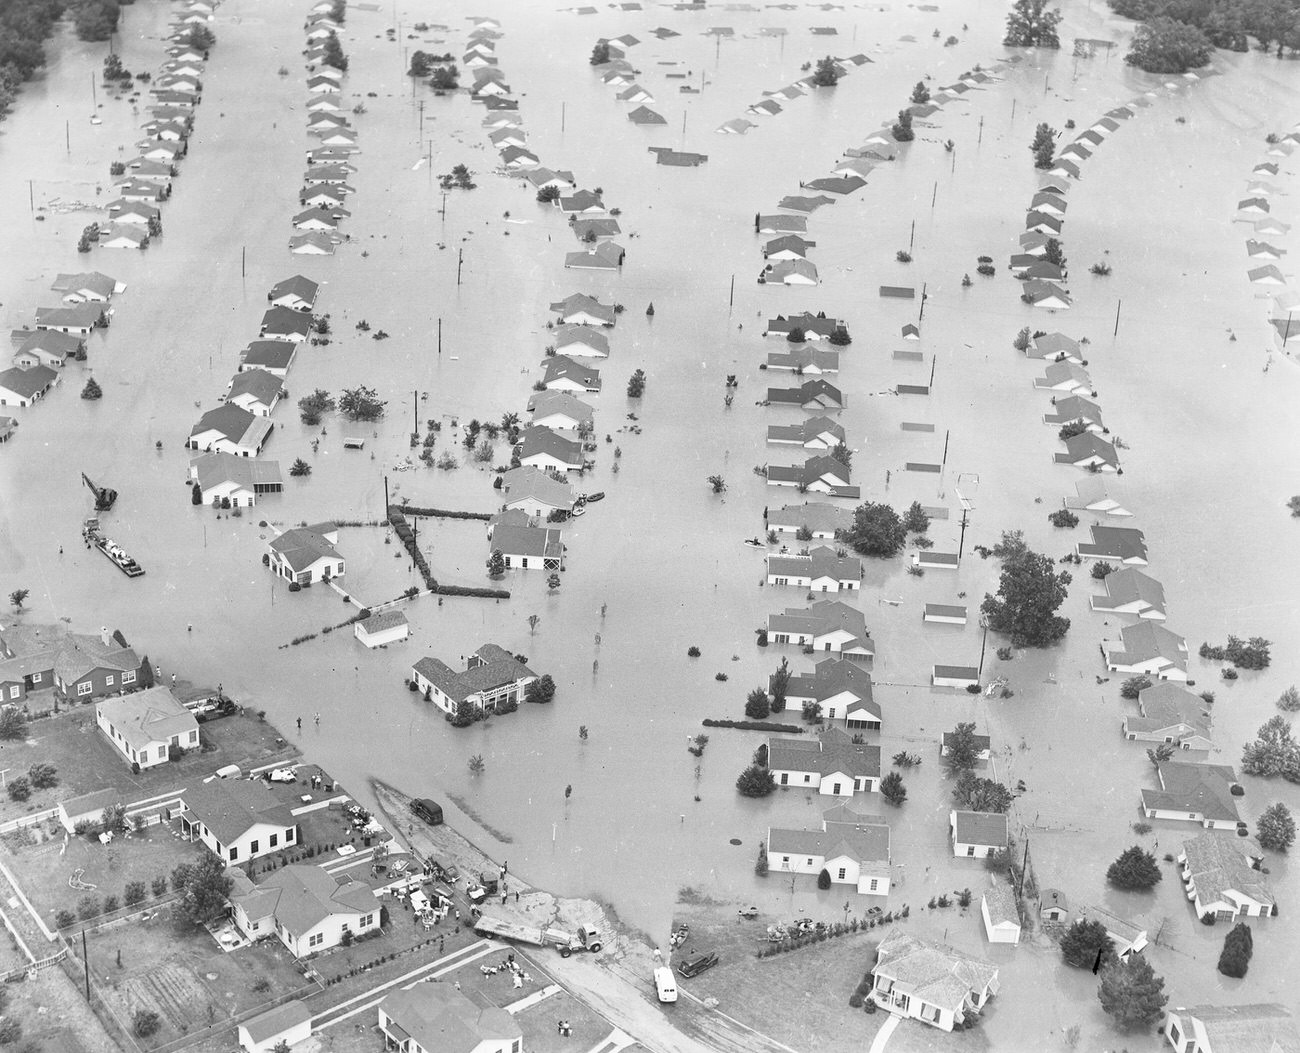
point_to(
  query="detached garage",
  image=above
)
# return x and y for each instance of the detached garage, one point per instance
(289, 1023)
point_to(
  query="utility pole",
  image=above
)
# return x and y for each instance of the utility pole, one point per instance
(563, 108)
(961, 545)
(1024, 869)
(440, 337)
(981, 137)
(984, 622)
(385, 498)
(921, 313)
(1118, 305)
(415, 412)
(731, 298)
(85, 961)
(243, 261)
(934, 361)
(934, 196)
(31, 203)
(946, 435)
(912, 240)
(460, 260)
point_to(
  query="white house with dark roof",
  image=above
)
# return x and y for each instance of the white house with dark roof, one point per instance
(23, 387)
(1147, 649)
(285, 323)
(1128, 937)
(813, 326)
(822, 474)
(306, 907)
(977, 834)
(1076, 410)
(788, 247)
(307, 554)
(1129, 591)
(815, 433)
(436, 1018)
(1055, 347)
(810, 395)
(1222, 877)
(1090, 452)
(273, 356)
(382, 628)
(241, 480)
(123, 236)
(145, 725)
(830, 763)
(931, 982)
(45, 348)
(789, 272)
(827, 625)
(540, 447)
(581, 341)
(560, 411)
(230, 429)
(535, 492)
(255, 390)
(821, 520)
(804, 360)
(1255, 1028)
(528, 547)
(561, 373)
(852, 847)
(1170, 714)
(236, 819)
(821, 569)
(87, 286)
(1065, 377)
(842, 689)
(86, 807)
(1126, 545)
(313, 243)
(492, 676)
(1194, 793)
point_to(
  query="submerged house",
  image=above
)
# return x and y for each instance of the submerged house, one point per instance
(842, 689)
(1256, 1028)
(822, 474)
(1147, 649)
(1222, 877)
(492, 679)
(820, 570)
(827, 625)
(239, 480)
(852, 847)
(307, 554)
(1194, 793)
(819, 519)
(830, 763)
(1170, 714)
(230, 429)
(1126, 545)
(1129, 591)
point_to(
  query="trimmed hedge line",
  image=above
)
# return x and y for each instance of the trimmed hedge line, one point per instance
(439, 513)
(466, 590)
(755, 725)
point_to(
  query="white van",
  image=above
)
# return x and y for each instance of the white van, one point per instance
(666, 984)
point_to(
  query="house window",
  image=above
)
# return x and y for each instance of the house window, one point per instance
(807, 778)
(252, 849)
(234, 852)
(810, 862)
(783, 581)
(36, 677)
(288, 835)
(316, 939)
(1191, 815)
(85, 687)
(128, 677)
(831, 713)
(365, 921)
(841, 873)
(108, 680)
(970, 850)
(835, 788)
(13, 692)
(194, 738)
(785, 861)
(275, 838)
(1175, 1036)
(875, 883)
(785, 778)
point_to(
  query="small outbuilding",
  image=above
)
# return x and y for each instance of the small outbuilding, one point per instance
(383, 628)
(1001, 916)
(288, 1023)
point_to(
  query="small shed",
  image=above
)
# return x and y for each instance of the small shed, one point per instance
(945, 614)
(89, 807)
(1052, 905)
(1001, 916)
(289, 1023)
(936, 560)
(382, 628)
(954, 676)
(354, 442)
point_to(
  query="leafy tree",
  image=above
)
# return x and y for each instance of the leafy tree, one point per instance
(718, 484)
(812, 711)
(876, 530)
(13, 725)
(200, 38)
(778, 685)
(112, 820)
(1274, 751)
(920, 94)
(88, 907)
(1136, 870)
(757, 706)
(1052, 251)
(600, 53)
(1238, 947)
(1031, 25)
(496, 564)
(1031, 591)
(756, 781)
(92, 390)
(145, 1022)
(760, 864)
(541, 690)
(1134, 686)
(96, 19)
(333, 55)
(842, 454)
(760, 755)
(1131, 993)
(892, 789)
(827, 74)
(445, 78)
(1043, 146)
(1164, 45)
(1083, 941)
(477, 765)
(962, 751)
(196, 494)
(981, 795)
(205, 891)
(902, 129)
(1160, 754)
(915, 520)
(133, 893)
(548, 194)
(824, 879)
(1275, 827)
(1289, 700)
(420, 65)
(361, 403)
(43, 776)
(18, 597)
(464, 714)
(312, 407)
(1101, 569)
(636, 384)
(1225, 28)
(19, 788)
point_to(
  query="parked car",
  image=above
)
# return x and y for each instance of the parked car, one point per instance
(447, 874)
(697, 964)
(429, 811)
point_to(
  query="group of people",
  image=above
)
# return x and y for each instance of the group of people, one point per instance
(517, 975)
(563, 1027)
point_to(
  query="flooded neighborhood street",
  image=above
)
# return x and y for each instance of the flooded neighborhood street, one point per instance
(1178, 345)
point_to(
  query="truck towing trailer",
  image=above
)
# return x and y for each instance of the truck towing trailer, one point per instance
(585, 939)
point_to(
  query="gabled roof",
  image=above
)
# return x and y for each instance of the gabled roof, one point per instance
(1086, 444)
(145, 717)
(27, 382)
(308, 895)
(833, 676)
(1256, 1028)
(1147, 640)
(561, 366)
(229, 808)
(438, 1017)
(1129, 585)
(821, 618)
(234, 424)
(932, 972)
(832, 751)
(301, 547)
(1204, 789)
(80, 654)
(271, 354)
(543, 542)
(100, 284)
(1165, 705)
(538, 439)
(496, 668)
(580, 302)
(545, 403)
(566, 335)
(213, 469)
(1121, 542)
(287, 321)
(263, 386)
(815, 515)
(1217, 866)
(820, 562)
(979, 828)
(303, 288)
(520, 484)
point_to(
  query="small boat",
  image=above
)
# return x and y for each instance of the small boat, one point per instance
(753, 542)
(599, 495)
(579, 510)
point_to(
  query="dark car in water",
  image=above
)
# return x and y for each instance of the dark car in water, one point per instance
(429, 811)
(697, 964)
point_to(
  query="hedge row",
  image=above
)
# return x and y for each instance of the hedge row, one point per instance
(466, 590)
(437, 513)
(755, 725)
(407, 537)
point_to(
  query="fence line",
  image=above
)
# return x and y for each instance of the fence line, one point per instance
(27, 820)
(36, 966)
(27, 903)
